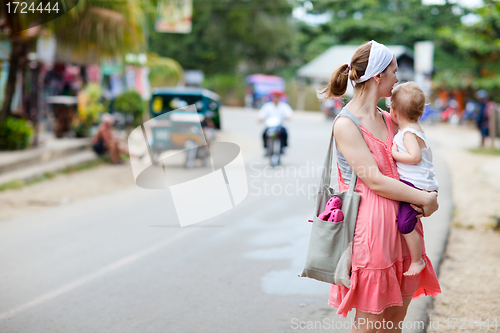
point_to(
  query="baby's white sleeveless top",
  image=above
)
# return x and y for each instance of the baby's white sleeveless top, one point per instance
(421, 175)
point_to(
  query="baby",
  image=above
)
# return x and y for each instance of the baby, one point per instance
(414, 160)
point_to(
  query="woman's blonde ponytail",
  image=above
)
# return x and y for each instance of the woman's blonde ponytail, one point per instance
(338, 83)
(354, 75)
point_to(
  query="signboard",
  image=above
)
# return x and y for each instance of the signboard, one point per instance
(193, 77)
(174, 16)
(424, 64)
(46, 49)
(111, 66)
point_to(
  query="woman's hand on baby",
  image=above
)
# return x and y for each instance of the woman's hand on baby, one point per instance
(394, 149)
(419, 210)
(431, 205)
(429, 208)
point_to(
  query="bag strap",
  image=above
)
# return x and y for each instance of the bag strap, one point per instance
(325, 179)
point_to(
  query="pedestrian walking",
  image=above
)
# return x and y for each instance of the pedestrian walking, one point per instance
(483, 117)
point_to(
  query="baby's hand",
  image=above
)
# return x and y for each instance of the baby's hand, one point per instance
(394, 149)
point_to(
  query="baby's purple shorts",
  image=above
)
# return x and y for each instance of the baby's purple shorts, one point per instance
(406, 215)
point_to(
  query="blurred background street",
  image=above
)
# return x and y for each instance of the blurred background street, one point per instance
(92, 89)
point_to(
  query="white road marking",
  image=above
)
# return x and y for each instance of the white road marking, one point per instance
(90, 277)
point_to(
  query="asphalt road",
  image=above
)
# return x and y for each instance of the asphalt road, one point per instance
(122, 263)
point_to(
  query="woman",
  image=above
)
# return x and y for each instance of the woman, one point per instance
(379, 292)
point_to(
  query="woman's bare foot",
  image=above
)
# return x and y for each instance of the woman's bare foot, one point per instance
(415, 268)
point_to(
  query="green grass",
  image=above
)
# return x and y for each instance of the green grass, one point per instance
(45, 176)
(462, 226)
(12, 185)
(485, 151)
(85, 166)
(18, 183)
(494, 223)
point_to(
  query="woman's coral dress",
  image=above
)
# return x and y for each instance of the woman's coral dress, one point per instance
(380, 254)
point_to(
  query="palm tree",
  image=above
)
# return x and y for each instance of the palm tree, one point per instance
(102, 28)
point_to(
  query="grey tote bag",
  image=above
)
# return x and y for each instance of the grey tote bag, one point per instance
(330, 245)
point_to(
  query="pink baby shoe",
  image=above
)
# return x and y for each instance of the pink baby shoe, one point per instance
(336, 216)
(333, 203)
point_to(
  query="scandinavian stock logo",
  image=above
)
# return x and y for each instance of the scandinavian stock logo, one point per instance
(205, 179)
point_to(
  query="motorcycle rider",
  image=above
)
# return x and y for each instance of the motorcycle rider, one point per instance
(279, 110)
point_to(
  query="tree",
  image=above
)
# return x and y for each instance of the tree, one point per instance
(226, 34)
(386, 21)
(479, 48)
(163, 71)
(102, 27)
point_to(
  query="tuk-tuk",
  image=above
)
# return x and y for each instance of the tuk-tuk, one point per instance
(207, 103)
(176, 124)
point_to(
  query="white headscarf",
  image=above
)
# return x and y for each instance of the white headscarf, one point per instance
(380, 58)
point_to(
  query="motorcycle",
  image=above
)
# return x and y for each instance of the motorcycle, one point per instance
(332, 107)
(273, 140)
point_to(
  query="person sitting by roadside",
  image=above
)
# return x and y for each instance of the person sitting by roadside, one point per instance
(106, 142)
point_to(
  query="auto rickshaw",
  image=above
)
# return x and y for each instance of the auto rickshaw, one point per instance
(207, 103)
(183, 119)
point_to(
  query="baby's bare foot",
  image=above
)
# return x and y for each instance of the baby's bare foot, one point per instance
(415, 268)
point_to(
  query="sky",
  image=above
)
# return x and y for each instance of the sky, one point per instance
(302, 12)
(463, 3)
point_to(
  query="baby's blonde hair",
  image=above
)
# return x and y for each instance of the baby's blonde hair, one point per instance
(408, 100)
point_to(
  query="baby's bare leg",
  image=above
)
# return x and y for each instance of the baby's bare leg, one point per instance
(417, 263)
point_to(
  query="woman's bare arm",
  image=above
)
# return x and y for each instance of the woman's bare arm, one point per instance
(351, 144)
(413, 155)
